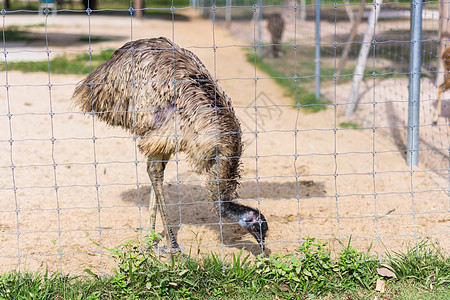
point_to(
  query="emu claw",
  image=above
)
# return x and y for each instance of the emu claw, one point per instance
(166, 251)
(161, 250)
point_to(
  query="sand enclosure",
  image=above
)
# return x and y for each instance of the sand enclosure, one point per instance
(62, 192)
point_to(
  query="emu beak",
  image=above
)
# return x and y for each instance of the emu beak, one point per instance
(261, 242)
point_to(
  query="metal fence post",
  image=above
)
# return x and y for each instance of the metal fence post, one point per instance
(317, 48)
(414, 83)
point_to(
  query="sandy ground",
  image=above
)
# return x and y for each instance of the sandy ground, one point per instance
(62, 193)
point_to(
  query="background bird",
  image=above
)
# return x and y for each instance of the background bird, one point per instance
(168, 100)
(276, 27)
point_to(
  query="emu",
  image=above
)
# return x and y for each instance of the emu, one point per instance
(166, 98)
(276, 27)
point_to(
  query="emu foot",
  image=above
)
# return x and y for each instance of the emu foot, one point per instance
(165, 251)
(435, 120)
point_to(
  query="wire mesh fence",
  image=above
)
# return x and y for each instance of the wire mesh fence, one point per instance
(71, 187)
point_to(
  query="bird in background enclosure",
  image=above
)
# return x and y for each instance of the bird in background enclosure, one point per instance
(168, 100)
(446, 84)
(276, 27)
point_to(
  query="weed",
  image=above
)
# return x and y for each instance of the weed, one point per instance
(424, 262)
(311, 272)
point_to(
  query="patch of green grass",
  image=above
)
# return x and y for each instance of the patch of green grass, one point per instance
(309, 273)
(295, 72)
(33, 25)
(348, 125)
(92, 39)
(424, 263)
(292, 86)
(81, 63)
(17, 34)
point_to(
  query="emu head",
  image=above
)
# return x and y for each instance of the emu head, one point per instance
(255, 223)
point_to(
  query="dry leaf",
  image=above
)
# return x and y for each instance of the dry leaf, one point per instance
(380, 286)
(385, 272)
(284, 287)
(360, 294)
(266, 287)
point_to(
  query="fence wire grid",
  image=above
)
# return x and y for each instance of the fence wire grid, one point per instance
(72, 186)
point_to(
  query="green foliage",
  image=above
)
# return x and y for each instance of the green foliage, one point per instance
(348, 125)
(356, 268)
(17, 34)
(314, 272)
(16, 285)
(64, 64)
(309, 273)
(425, 263)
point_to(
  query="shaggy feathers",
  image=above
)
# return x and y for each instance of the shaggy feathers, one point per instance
(149, 91)
(166, 97)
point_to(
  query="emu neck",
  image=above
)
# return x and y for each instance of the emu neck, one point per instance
(222, 185)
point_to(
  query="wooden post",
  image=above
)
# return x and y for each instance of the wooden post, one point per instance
(138, 9)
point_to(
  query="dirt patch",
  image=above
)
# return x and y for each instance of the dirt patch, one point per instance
(61, 194)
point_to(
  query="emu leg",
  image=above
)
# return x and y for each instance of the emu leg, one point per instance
(155, 169)
(439, 101)
(152, 206)
(439, 104)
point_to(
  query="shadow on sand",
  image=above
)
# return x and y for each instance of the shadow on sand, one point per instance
(186, 204)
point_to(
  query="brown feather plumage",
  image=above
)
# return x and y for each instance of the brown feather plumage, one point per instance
(165, 96)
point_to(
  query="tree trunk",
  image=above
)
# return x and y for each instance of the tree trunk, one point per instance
(92, 4)
(349, 12)
(362, 58)
(138, 8)
(289, 13)
(302, 11)
(351, 38)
